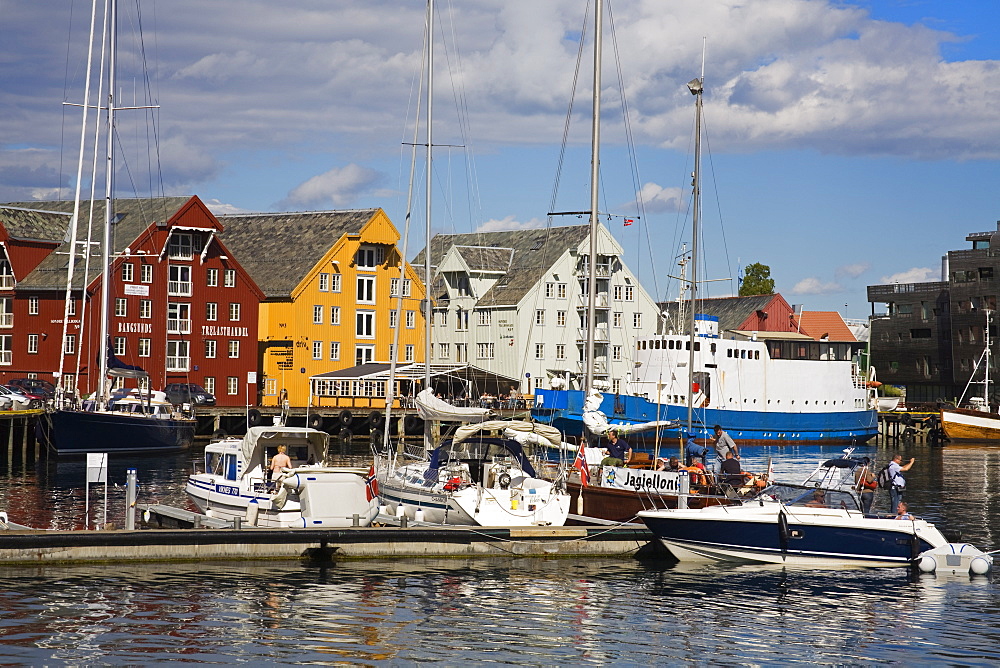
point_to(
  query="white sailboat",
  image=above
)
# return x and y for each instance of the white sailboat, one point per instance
(137, 427)
(474, 478)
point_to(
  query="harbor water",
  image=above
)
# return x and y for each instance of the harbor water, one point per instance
(525, 611)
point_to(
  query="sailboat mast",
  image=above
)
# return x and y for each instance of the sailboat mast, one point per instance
(428, 427)
(986, 380)
(696, 88)
(108, 207)
(595, 164)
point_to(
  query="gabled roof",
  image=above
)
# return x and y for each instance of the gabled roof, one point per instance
(732, 312)
(32, 225)
(827, 325)
(133, 218)
(486, 259)
(279, 249)
(533, 252)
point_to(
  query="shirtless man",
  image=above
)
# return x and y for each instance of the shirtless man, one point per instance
(280, 461)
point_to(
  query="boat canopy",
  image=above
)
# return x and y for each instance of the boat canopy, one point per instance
(257, 439)
(440, 454)
(523, 432)
(430, 407)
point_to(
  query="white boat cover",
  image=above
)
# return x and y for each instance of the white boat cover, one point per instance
(260, 437)
(597, 423)
(430, 407)
(518, 430)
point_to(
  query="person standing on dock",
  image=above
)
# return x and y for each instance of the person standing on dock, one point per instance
(898, 482)
(723, 445)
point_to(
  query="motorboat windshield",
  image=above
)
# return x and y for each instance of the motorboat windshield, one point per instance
(811, 497)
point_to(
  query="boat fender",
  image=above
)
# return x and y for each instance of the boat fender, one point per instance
(315, 421)
(253, 417)
(980, 566)
(345, 417)
(375, 418)
(253, 510)
(346, 434)
(783, 531)
(927, 564)
(412, 423)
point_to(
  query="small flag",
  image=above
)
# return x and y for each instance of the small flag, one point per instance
(371, 484)
(580, 464)
(628, 221)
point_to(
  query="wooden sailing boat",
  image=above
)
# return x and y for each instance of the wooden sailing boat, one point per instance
(976, 421)
(144, 422)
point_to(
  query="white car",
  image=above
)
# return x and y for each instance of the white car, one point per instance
(19, 402)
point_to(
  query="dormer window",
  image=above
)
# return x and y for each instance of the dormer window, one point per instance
(183, 245)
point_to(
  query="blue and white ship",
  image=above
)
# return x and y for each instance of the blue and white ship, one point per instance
(761, 387)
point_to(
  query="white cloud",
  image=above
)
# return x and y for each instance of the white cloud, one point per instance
(852, 270)
(657, 199)
(339, 187)
(509, 223)
(814, 286)
(222, 208)
(914, 275)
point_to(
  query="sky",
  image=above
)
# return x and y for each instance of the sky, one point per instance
(846, 143)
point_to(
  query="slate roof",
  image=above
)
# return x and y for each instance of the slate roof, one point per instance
(279, 249)
(134, 216)
(534, 253)
(731, 311)
(483, 259)
(33, 225)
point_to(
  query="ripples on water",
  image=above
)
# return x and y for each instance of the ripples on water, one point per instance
(525, 611)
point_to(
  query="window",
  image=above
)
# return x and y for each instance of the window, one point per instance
(145, 308)
(232, 385)
(32, 305)
(442, 317)
(539, 351)
(364, 354)
(128, 272)
(561, 291)
(234, 312)
(411, 319)
(561, 318)
(485, 316)
(145, 345)
(317, 314)
(178, 318)
(209, 384)
(368, 258)
(366, 290)
(616, 385)
(178, 357)
(485, 351)
(540, 316)
(119, 346)
(234, 349)
(444, 351)
(317, 350)
(637, 320)
(617, 319)
(212, 276)
(32, 344)
(616, 353)
(560, 351)
(365, 324)
(179, 282)
(618, 292)
(393, 320)
(408, 352)
(462, 316)
(334, 315)
(211, 349)
(335, 283)
(121, 307)
(335, 350)
(629, 293)
(462, 352)
(324, 282)
(146, 273)
(180, 246)
(230, 278)
(68, 349)
(394, 288)
(550, 290)
(211, 311)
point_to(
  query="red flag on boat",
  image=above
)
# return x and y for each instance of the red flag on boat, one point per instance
(580, 464)
(371, 484)
(628, 221)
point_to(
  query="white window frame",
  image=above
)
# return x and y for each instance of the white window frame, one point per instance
(335, 282)
(366, 290)
(364, 324)
(234, 349)
(32, 305)
(211, 311)
(145, 347)
(121, 307)
(212, 278)
(234, 311)
(540, 316)
(324, 282)
(232, 385)
(317, 350)
(334, 315)
(145, 308)
(334, 350)
(211, 349)
(32, 344)
(411, 319)
(230, 278)
(539, 351)
(128, 272)
(145, 273)
(119, 346)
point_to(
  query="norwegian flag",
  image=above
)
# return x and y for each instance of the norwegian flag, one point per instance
(628, 221)
(371, 484)
(580, 464)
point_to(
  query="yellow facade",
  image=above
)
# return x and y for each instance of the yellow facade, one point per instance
(341, 314)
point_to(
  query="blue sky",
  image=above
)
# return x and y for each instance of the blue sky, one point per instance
(849, 143)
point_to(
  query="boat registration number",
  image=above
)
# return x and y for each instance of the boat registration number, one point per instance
(227, 489)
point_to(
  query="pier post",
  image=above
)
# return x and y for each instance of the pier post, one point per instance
(130, 496)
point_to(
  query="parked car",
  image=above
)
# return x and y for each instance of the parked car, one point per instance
(5, 403)
(36, 386)
(188, 393)
(20, 401)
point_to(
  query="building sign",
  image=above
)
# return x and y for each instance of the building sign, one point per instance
(137, 289)
(218, 330)
(135, 328)
(641, 480)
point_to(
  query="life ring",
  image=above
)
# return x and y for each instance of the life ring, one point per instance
(315, 421)
(504, 480)
(253, 417)
(345, 417)
(375, 418)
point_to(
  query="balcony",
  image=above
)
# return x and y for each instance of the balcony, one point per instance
(600, 367)
(177, 363)
(600, 334)
(179, 288)
(7, 282)
(176, 326)
(601, 300)
(6, 320)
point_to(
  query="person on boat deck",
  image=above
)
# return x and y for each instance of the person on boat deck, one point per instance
(901, 512)
(731, 471)
(898, 482)
(723, 444)
(818, 500)
(695, 453)
(672, 465)
(864, 482)
(619, 451)
(279, 461)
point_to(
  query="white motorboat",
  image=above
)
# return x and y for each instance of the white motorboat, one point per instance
(309, 494)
